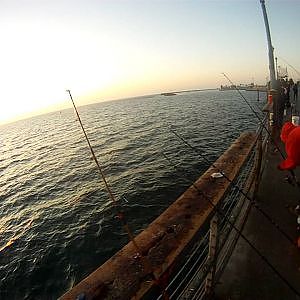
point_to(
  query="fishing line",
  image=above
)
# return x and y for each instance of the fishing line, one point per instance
(145, 261)
(255, 113)
(263, 125)
(289, 65)
(240, 234)
(238, 188)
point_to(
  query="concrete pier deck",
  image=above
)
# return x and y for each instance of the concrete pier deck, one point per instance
(247, 276)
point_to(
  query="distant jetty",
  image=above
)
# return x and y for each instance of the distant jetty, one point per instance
(187, 91)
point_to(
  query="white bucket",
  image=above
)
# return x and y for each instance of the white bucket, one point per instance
(295, 120)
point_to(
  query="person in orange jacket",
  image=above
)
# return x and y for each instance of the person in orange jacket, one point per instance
(290, 135)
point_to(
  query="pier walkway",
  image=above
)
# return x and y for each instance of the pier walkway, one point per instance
(247, 276)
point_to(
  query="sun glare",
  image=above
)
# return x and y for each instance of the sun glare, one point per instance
(38, 63)
(113, 49)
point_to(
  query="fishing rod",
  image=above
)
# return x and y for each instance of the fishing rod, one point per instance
(239, 232)
(290, 239)
(263, 125)
(145, 261)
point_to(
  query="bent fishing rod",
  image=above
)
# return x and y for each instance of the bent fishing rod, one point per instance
(145, 261)
(264, 126)
(239, 232)
(290, 239)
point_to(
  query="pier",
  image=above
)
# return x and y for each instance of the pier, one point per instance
(246, 275)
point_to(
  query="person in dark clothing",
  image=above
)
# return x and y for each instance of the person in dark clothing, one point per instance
(295, 91)
(286, 94)
(280, 104)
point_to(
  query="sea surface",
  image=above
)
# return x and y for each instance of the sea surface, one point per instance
(57, 223)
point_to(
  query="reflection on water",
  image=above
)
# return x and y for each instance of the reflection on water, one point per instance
(56, 221)
(16, 235)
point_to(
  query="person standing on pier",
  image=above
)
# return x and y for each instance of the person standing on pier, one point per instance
(281, 103)
(295, 91)
(287, 94)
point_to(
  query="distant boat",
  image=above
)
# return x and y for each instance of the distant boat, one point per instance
(168, 94)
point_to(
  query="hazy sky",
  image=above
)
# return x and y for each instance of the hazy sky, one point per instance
(111, 49)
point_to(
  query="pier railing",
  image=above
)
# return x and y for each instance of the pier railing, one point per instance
(190, 243)
(209, 256)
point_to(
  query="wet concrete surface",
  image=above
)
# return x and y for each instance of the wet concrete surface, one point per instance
(247, 276)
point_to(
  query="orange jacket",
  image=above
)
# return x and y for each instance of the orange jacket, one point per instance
(290, 135)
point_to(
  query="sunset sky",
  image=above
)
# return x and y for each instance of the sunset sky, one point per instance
(105, 50)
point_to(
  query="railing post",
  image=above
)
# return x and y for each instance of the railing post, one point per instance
(212, 256)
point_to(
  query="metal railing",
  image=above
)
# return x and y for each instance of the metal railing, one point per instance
(208, 256)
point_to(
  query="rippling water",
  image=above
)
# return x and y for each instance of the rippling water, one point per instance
(56, 221)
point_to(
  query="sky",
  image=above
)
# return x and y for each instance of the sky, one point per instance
(104, 50)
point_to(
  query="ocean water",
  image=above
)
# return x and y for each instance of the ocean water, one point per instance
(57, 223)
